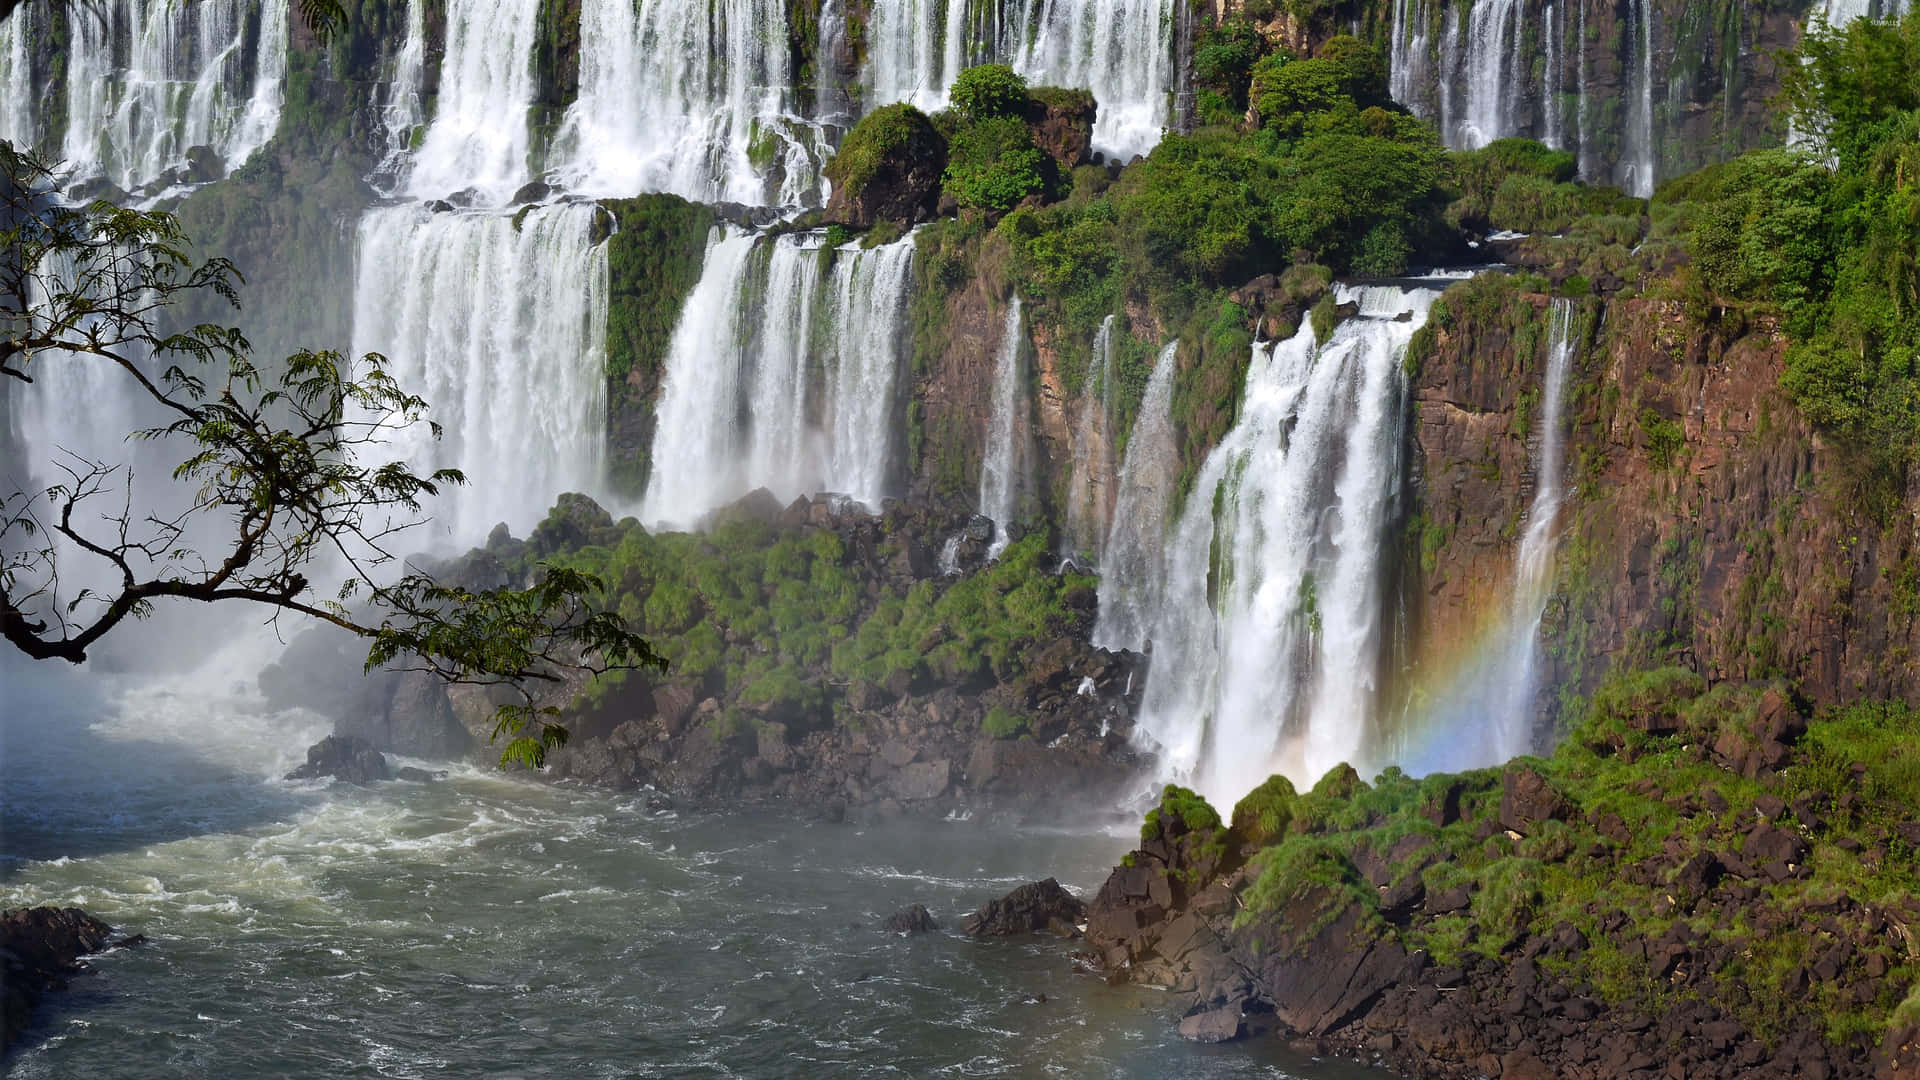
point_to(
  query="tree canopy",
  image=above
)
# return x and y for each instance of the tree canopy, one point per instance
(281, 475)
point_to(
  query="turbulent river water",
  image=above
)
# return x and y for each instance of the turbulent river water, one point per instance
(485, 925)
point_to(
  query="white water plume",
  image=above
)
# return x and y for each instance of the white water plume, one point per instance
(1635, 172)
(1492, 67)
(500, 324)
(1001, 460)
(404, 108)
(691, 97)
(783, 373)
(479, 137)
(149, 79)
(1487, 717)
(19, 121)
(1121, 50)
(1133, 556)
(1269, 634)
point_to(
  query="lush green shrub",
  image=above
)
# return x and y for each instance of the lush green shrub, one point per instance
(988, 91)
(881, 135)
(992, 164)
(1002, 724)
(1223, 59)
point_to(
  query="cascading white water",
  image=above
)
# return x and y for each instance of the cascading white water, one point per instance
(19, 123)
(500, 325)
(1487, 716)
(1121, 50)
(404, 108)
(1001, 462)
(479, 137)
(687, 96)
(781, 375)
(1410, 63)
(149, 79)
(1491, 66)
(1549, 78)
(1842, 12)
(1133, 556)
(1089, 495)
(1635, 172)
(1268, 636)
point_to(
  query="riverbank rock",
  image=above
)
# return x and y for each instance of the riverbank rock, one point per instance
(40, 948)
(344, 757)
(914, 920)
(1035, 906)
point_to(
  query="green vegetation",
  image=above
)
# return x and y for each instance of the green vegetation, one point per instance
(1835, 251)
(1648, 790)
(785, 622)
(988, 92)
(885, 132)
(993, 164)
(1002, 724)
(653, 260)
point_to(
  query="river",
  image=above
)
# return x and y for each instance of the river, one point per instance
(489, 925)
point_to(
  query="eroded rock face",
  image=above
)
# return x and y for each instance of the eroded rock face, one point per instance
(40, 948)
(909, 921)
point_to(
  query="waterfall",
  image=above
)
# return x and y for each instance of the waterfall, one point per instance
(1635, 171)
(1121, 50)
(1410, 60)
(1841, 12)
(1486, 715)
(1550, 80)
(1269, 633)
(404, 109)
(1131, 559)
(18, 123)
(782, 374)
(1585, 114)
(1001, 459)
(500, 324)
(147, 80)
(687, 96)
(1089, 498)
(479, 137)
(1490, 64)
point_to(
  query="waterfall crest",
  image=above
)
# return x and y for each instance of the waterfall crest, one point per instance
(1269, 634)
(690, 97)
(148, 79)
(783, 373)
(500, 325)
(1001, 460)
(1131, 559)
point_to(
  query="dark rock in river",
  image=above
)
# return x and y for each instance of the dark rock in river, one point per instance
(1223, 1024)
(39, 948)
(1037, 905)
(343, 757)
(914, 920)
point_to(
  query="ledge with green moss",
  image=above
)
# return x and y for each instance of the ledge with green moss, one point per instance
(1698, 879)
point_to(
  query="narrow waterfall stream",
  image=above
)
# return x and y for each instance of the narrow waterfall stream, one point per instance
(501, 326)
(1487, 713)
(784, 373)
(1002, 460)
(147, 80)
(1269, 635)
(19, 119)
(1132, 556)
(1090, 490)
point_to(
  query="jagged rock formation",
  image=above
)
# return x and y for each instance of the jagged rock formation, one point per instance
(40, 949)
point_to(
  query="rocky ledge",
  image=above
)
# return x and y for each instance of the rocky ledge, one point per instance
(40, 948)
(1696, 884)
(822, 657)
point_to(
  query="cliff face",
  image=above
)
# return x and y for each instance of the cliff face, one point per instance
(1706, 524)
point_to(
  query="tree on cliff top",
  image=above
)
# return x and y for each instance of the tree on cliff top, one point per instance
(281, 476)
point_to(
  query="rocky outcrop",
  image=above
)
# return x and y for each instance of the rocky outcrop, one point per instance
(40, 948)
(1031, 908)
(910, 921)
(1062, 125)
(343, 757)
(888, 169)
(1405, 924)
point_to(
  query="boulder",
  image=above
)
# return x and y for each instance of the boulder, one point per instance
(888, 169)
(1319, 958)
(914, 920)
(1223, 1024)
(1527, 801)
(204, 165)
(1037, 905)
(343, 757)
(39, 948)
(532, 192)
